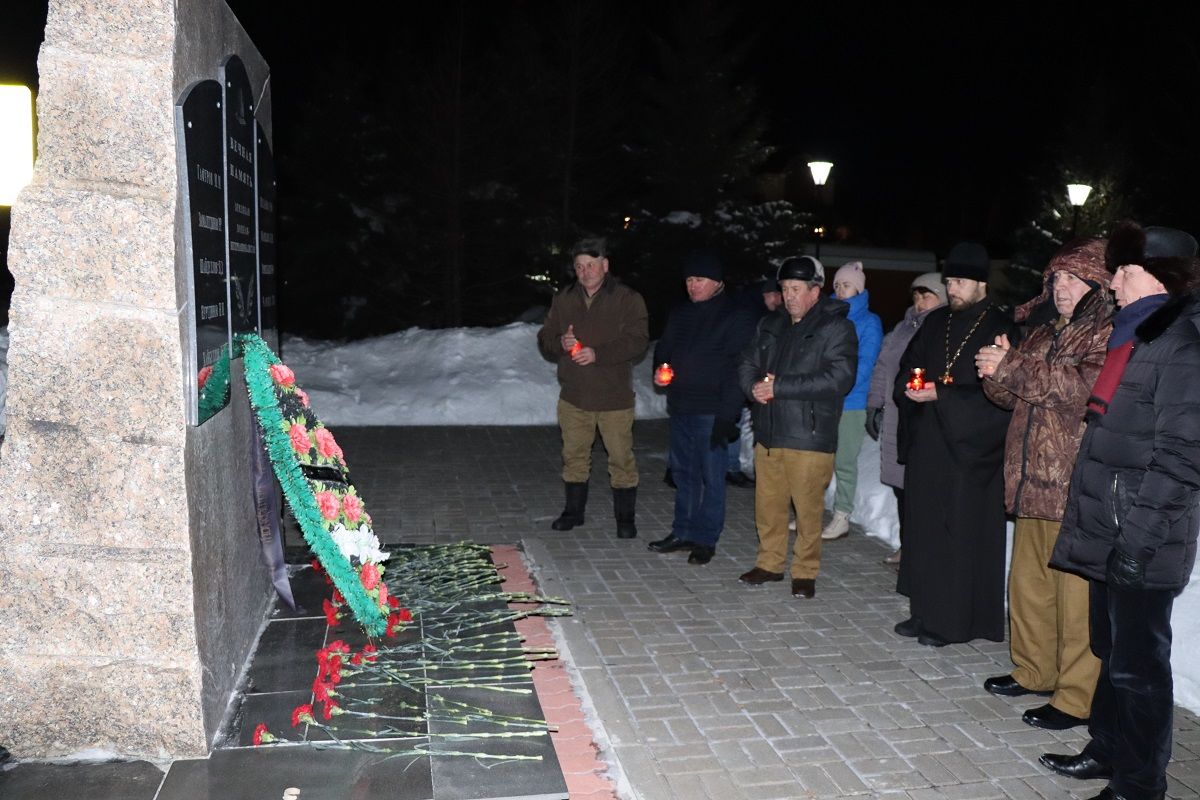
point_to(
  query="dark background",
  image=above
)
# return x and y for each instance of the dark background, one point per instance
(434, 167)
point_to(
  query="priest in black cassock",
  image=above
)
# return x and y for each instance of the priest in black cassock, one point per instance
(951, 441)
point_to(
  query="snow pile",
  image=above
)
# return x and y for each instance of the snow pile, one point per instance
(455, 376)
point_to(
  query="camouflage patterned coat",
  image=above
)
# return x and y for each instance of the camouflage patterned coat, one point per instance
(1046, 380)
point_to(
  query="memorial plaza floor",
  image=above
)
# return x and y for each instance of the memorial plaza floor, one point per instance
(699, 687)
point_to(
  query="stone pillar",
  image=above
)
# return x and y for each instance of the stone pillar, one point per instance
(130, 581)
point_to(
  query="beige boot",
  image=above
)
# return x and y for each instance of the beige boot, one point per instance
(838, 527)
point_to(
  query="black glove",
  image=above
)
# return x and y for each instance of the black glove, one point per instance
(874, 420)
(1124, 571)
(724, 431)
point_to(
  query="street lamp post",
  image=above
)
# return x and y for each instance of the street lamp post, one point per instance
(1077, 193)
(820, 174)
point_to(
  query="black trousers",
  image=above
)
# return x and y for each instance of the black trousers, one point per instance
(1134, 704)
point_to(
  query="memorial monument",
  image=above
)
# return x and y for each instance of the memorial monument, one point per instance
(133, 588)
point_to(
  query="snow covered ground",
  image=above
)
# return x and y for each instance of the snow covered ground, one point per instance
(495, 376)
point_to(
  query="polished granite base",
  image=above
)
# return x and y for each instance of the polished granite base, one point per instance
(117, 780)
(428, 732)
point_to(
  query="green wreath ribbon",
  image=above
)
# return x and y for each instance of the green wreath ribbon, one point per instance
(300, 490)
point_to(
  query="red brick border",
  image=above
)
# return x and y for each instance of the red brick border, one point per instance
(578, 755)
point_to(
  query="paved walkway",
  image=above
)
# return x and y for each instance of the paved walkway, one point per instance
(703, 688)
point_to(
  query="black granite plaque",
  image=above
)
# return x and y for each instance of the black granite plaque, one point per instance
(199, 121)
(240, 198)
(265, 164)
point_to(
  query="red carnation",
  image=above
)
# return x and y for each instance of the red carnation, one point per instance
(370, 652)
(405, 615)
(393, 602)
(352, 507)
(370, 576)
(326, 445)
(328, 504)
(331, 613)
(282, 375)
(299, 436)
(356, 659)
(383, 596)
(316, 565)
(302, 714)
(338, 599)
(203, 377)
(261, 734)
(321, 690)
(330, 709)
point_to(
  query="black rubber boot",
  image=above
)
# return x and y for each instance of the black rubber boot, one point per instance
(624, 506)
(572, 515)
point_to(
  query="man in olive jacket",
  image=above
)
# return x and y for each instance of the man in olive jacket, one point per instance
(797, 370)
(595, 330)
(1131, 518)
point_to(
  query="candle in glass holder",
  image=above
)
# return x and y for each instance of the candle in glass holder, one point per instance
(917, 381)
(664, 374)
(575, 348)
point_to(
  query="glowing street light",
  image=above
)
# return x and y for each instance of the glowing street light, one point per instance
(16, 141)
(1077, 193)
(820, 171)
(820, 174)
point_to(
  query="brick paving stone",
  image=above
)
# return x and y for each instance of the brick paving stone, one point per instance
(754, 694)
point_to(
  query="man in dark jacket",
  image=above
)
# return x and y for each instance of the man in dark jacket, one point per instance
(1131, 518)
(701, 344)
(951, 442)
(796, 370)
(595, 330)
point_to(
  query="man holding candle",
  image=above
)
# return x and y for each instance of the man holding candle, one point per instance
(951, 442)
(797, 371)
(595, 330)
(1046, 381)
(696, 361)
(1131, 518)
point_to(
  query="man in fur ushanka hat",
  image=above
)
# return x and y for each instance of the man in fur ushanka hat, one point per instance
(1131, 519)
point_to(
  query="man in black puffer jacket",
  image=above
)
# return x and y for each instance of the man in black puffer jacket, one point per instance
(797, 371)
(1131, 518)
(701, 344)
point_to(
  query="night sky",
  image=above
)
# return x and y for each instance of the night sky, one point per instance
(941, 125)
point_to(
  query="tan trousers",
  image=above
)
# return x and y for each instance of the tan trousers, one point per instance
(1048, 619)
(579, 434)
(790, 478)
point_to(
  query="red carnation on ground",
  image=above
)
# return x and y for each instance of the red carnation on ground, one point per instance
(393, 602)
(262, 735)
(282, 375)
(326, 445)
(370, 576)
(370, 653)
(322, 690)
(316, 565)
(302, 713)
(299, 436)
(330, 709)
(405, 615)
(328, 504)
(331, 613)
(338, 599)
(352, 507)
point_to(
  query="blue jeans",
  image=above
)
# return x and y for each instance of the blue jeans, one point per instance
(699, 472)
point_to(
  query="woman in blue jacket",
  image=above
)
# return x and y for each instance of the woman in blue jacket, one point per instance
(850, 286)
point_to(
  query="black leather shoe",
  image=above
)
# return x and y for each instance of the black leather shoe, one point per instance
(670, 544)
(930, 639)
(1108, 794)
(701, 554)
(1082, 766)
(911, 628)
(756, 576)
(804, 587)
(1051, 719)
(669, 479)
(1007, 686)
